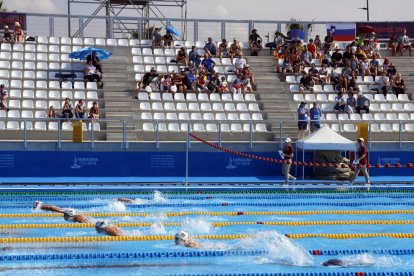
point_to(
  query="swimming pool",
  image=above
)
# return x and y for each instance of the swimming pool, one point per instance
(242, 232)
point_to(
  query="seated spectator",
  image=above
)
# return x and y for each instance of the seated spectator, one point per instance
(248, 73)
(208, 64)
(318, 43)
(351, 83)
(398, 85)
(404, 43)
(347, 55)
(147, 79)
(255, 43)
(190, 81)
(67, 109)
(376, 49)
(18, 34)
(156, 38)
(367, 49)
(326, 58)
(168, 39)
(235, 49)
(166, 83)
(223, 49)
(312, 48)
(213, 84)
(3, 98)
(240, 62)
(287, 66)
(350, 101)
(237, 86)
(95, 61)
(94, 111)
(364, 67)
(90, 73)
(201, 84)
(197, 62)
(246, 84)
(337, 57)
(7, 35)
(314, 72)
(393, 44)
(192, 55)
(335, 75)
(182, 56)
(374, 66)
(383, 83)
(51, 112)
(210, 47)
(329, 41)
(80, 110)
(178, 81)
(306, 56)
(353, 65)
(385, 65)
(340, 103)
(323, 75)
(224, 85)
(362, 103)
(392, 71)
(306, 83)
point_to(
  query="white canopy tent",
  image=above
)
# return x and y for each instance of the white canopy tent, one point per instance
(324, 139)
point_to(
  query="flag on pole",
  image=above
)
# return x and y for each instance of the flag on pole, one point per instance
(342, 31)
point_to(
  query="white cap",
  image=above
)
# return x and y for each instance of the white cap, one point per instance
(361, 139)
(37, 204)
(70, 212)
(182, 235)
(287, 140)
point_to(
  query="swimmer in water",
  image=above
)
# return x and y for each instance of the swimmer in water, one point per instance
(125, 200)
(182, 238)
(334, 262)
(109, 229)
(68, 214)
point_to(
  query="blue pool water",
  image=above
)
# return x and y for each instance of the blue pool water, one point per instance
(268, 249)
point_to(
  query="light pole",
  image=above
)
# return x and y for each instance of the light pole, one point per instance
(367, 9)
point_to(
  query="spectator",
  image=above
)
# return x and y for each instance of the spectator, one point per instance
(326, 58)
(147, 78)
(337, 57)
(296, 39)
(362, 103)
(306, 83)
(329, 41)
(192, 55)
(248, 74)
(374, 66)
(385, 65)
(166, 83)
(367, 49)
(178, 81)
(376, 49)
(90, 74)
(383, 84)
(347, 55)
(287, 66)
(237, 86)
(109, 229)
(315, 115)
(318, 43)
(80, 110)
(213, 84)
(235, 49)
(197, 62)
(340, 103)
(393, 44)
(404, 43)
(3, 98)
(95, 61)
(223, 49)
(255, 43)
(224, 85)
(210, 47)
(303, 113)
(7, 36)
(182, 56)
(190, 81)
(364, 67)
(51, 112)
(350, 101)
(306, 56)
(156, 39)
(314, 72)
(201, 85)
(335, 75)
(287, 161)
(240, 62)
(94, 111)
(168, 39)
(398, 85)
(324, 75)
(351, 83)
(18, 33)
(208, 64)
(312, 48)
(392, 71)
(67, 109)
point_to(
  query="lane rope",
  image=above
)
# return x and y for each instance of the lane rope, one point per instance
(398, 165)
(214, 224)
(210, 213)
(206, 237)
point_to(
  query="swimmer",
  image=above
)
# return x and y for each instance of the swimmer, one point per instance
(68, 214)
(348, 263)
(182, 238)
(52, 208)
(125, 200)
(109, 229)
(333, 262)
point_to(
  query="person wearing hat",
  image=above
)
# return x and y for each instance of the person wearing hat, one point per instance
(68, 213)
(362, 103)
(18, 33)
(182, 56)
(362, 160)
(210, 47)
(287, 158)
(147, 79)
(7, 36)
(255, 43)
(223, 49)
(108, 228)
(183, 239)
(235, 49)
(3, 98)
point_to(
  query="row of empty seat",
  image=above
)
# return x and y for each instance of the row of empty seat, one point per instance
(374, 127)
(16, 94)
(43, 126)
(201, 127)
(378, 98)
(208, 116)
(41, 84)
(194, 106)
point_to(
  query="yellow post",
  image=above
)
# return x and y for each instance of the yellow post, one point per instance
(362, 131)
(77, 132)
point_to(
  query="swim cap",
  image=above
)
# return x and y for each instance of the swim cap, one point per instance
(182, 235)
(100, 226)
(37, 204)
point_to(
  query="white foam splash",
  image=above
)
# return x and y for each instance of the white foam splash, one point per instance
(139, 201)
(133, 232)
(281, 249)
(196, 225)
(157, 228)
(370, 260)
(116, 206)
(158, 197)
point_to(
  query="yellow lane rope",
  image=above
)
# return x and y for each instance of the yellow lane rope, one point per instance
(210, 237)
(255, 213)
(214, 224)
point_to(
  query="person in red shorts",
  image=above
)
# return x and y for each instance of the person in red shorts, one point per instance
(362, 159)
(287, 157)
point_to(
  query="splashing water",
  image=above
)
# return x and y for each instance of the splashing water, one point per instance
(133, 232)
(115, 206)
(140, 201)
(370, 260)
(157, 229)
(196, 225)
(281, 249)
(158, 197)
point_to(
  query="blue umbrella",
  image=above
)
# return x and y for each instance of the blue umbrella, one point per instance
(299, 33)
(172, 30)
(84, 52)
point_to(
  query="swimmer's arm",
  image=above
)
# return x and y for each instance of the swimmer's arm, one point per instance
(126, 200)
(114, 230)
(80, 219)
(193, 244)
(52, 208)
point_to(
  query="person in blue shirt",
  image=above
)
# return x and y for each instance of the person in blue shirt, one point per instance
(303, 113)
(210, 47)
(315, 117)
(197, 61)
(192, 55)
(208, 64)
